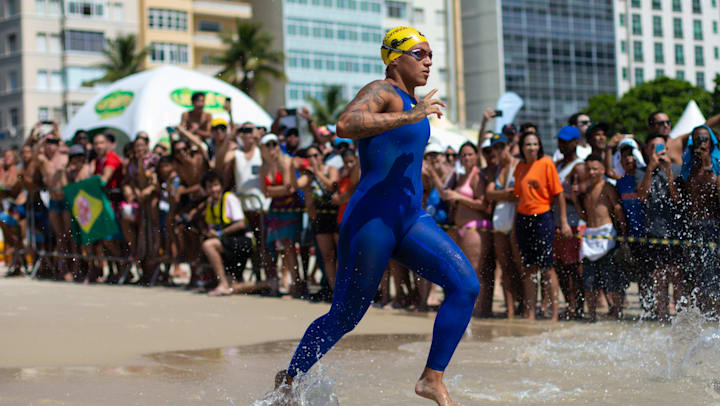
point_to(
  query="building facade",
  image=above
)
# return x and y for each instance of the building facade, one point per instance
(188, 33)
(554, 54)
(673, 38)
(39, 77)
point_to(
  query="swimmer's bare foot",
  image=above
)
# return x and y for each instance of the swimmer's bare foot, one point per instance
(430, 386)
(283, 384)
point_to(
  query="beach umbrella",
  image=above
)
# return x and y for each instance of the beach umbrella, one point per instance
(154, 99)
(690, 118)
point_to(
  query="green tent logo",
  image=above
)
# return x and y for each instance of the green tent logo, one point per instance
(113, 104)
(214, 101)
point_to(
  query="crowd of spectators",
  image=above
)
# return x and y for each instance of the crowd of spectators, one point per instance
(605, 210)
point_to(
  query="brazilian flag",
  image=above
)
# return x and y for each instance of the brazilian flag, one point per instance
(92, 215)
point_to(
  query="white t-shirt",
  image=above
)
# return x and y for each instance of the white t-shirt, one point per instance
(247, 179)
(233, 208)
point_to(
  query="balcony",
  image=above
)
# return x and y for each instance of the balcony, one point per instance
(220, 8)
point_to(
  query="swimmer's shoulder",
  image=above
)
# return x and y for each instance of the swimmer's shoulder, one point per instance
(378, 96)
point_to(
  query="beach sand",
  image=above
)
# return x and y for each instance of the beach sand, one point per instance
(59, 324)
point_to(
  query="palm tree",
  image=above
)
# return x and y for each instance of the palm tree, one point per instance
(328, 109)
(250, 59)
(120, 59)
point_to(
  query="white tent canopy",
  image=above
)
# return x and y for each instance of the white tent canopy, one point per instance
(691, 118)
(154, 99)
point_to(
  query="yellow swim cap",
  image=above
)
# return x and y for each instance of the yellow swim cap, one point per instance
(399, 38)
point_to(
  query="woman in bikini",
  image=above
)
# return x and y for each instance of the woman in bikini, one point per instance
(472, 216)
(284, 219)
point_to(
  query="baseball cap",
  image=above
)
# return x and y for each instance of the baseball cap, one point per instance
(434, 148)
(597, 126)
(268, 138)
(498, 138)
(217, 122)
(569, 133)
(76, 150)
(339, 141)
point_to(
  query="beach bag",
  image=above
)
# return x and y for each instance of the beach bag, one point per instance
(504, 212)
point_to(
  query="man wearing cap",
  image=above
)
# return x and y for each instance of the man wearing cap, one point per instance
(196, 121)
(224, 149)
(334, 158)
(566, 251)
(581, 121)
(385, 219)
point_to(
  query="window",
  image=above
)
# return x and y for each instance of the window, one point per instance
(43, 113)
(85, 8)
(164, 52)
(54, 43)
(657, 26)
(13, 82)
(41, 44)
(639, 76)
(679, 55)
(118, 12)
(696, 7)
(636, 24)
(53, 7)
(11, 43)
(697, 30)
(656, 5)
(676, 5)
(637, 51)
(717, 53)
(699, 56)
(317, 64)
(85, 41)
(680, 74)
(209, 26)
(40, 6)
(304, 30)
(622, 19)
(623, 46)
(292, 29)
(396, 9)
(42, 80)
(635, 3)
(677, 28)
(700, 79)
(12, 7)
(659, 55)
(715, 27)
(418, 15)
(14, 117)
(440, 17)
(624, 73)
(659, 73)
(75, 76)
(316, 31)
(163, 19)
(55, 80)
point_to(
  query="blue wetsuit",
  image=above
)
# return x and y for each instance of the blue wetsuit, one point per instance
(385, 219)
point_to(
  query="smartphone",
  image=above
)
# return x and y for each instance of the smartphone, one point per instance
(498, 113)
(228, 99)
(659, 148)
(291, 112)
(169, 129)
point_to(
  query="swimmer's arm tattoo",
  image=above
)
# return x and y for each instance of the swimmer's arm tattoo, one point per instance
(365, 116)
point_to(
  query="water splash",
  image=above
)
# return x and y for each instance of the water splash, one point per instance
(315, 388)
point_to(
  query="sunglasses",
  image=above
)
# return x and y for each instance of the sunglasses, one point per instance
(702, 140)
(663, 123)
(449, 155)
(313, 155)
(261, 128)
(584, 122)
(418, 54)
(53, 141)
(271, 144)
(245, 130)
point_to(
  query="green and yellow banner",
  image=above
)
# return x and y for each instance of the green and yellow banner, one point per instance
(90, 210)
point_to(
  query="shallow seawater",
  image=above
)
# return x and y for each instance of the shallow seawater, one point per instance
(500, 363)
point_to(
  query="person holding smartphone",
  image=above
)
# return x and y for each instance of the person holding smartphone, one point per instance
(658, 192)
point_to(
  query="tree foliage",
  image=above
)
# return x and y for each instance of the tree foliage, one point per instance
(629, 113)
(250, 59)
(121, 59)
(328, 109)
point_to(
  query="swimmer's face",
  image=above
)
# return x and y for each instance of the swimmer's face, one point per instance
(417, 71)
(595, 170)
(468, 157)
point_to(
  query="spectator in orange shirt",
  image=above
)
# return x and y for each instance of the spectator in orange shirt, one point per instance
(536, 185)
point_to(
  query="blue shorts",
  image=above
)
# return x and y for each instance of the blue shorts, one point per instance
(535, 235)
(603, 274)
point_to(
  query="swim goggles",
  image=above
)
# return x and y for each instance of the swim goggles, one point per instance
(418, 54)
